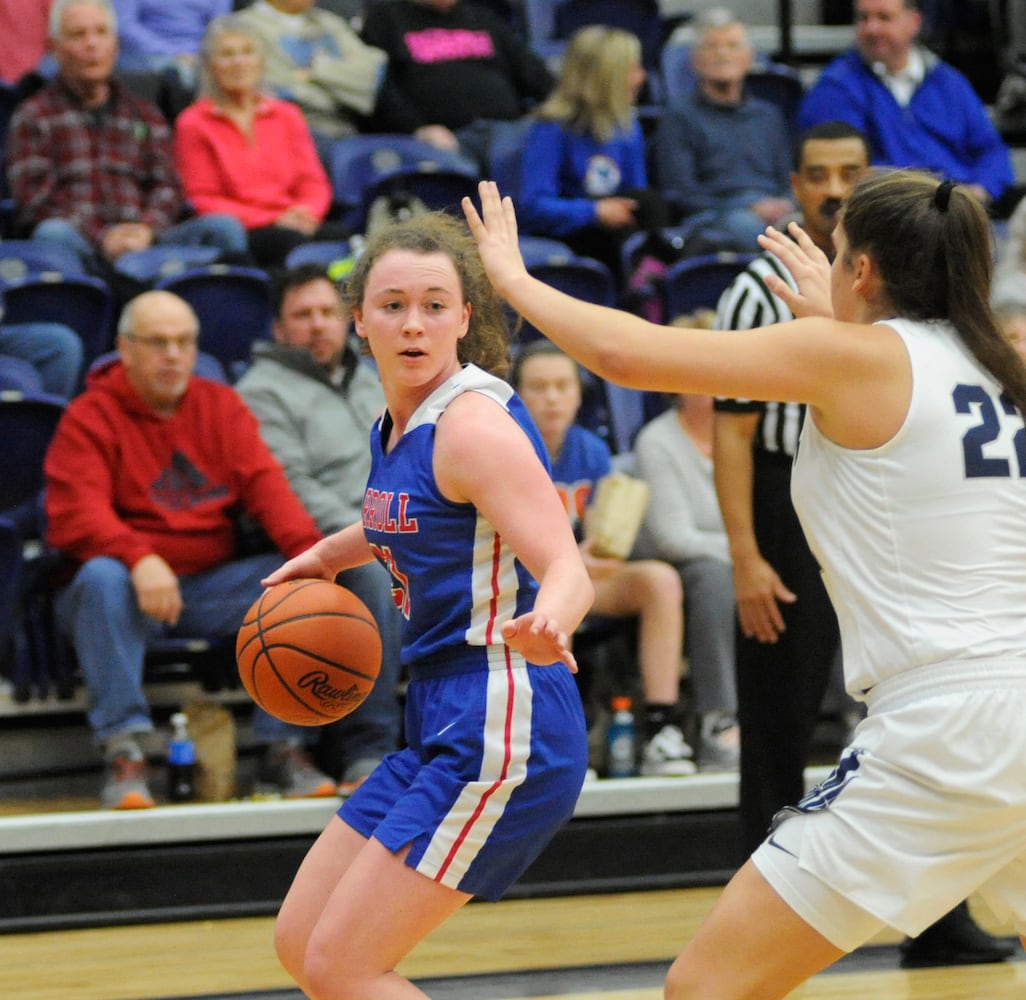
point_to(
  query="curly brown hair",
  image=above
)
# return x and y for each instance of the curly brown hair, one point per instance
(487, 341)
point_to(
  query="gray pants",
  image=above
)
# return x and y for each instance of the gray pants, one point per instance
(709, 613)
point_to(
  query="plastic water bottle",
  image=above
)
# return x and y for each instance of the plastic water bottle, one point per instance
(181, 761)
(621, 739)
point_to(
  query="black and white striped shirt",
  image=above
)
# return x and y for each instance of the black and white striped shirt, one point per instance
(747, 304)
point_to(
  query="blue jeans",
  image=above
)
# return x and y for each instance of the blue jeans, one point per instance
(99, 612)
(53, 350)
(222, 231)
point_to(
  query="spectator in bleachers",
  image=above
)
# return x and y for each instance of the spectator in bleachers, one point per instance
(457, 72)
(548, 381)
(145, 479)
(917, 110)
(720, 151)
(316, 401)
(316, 60)
(23, 34)
(583, 178)
(249, 155)
(40, 357)
(683, 526)
(90, 165)
(158, 36)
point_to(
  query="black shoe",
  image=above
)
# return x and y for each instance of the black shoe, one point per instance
(955, 939)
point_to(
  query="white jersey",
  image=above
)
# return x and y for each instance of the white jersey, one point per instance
(922, 541)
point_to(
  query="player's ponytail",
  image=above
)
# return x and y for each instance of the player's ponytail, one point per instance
(932, 244)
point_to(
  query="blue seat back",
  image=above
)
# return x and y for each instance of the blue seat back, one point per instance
(697, 282)
(360, 162)
(81, 302)
(23, 258)
(233, 305)
(27, 425)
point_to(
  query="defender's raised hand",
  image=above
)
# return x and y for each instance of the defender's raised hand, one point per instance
(808, 266)
(495, 231)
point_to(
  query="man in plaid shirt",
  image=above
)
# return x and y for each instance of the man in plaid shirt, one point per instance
(91, 165)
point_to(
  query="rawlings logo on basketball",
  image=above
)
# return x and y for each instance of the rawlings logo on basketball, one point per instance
(332, 698)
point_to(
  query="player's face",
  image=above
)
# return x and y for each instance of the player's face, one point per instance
(159, 354)
(829, 170)
(413, 315)
(86, 46)
(723, 55)
(312, 317)
(551, 390)
(885, 30)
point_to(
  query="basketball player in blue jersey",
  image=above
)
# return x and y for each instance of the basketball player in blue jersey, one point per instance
(486, 573)
(910, 482)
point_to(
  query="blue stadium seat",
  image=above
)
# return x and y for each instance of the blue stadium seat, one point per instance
(233, 305)
(697, 282)
(22, 258)
(361, 163)
(79, 301)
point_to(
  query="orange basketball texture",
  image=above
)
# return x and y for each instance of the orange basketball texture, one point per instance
(308, 651)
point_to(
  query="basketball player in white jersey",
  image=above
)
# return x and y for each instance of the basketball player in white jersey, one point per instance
(909, 481)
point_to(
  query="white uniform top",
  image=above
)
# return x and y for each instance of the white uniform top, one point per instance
(922, 541)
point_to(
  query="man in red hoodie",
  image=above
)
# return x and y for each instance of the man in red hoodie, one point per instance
(146, 476)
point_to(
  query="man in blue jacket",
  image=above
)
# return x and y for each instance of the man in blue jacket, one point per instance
(917, 110)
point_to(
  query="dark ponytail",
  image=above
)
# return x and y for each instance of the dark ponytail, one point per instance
(932, 244)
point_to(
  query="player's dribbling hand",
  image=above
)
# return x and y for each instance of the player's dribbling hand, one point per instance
(306, 566)
(808, 266)
(539, 640)
(495, 231)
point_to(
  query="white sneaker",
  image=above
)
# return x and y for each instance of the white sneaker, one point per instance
(667, 755)
(719, 748)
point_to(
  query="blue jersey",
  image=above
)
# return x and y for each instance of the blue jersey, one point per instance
(583, 460)
(496, 748)
(453, 577)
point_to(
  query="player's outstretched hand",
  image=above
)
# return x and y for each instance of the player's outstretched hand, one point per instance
(538, 639)
(495, 231)
(808, 266)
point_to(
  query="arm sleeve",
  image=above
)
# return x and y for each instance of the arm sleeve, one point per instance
(677, 169)
(544, 208)
(311, 186)
(280, 431)
(81, 519)
(263, 487)
(30, 173)
(163, 200)
(670, 519)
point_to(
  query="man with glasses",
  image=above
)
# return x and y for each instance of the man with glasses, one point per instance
(145, 478)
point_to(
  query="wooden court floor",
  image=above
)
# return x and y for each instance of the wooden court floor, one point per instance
(608, 947)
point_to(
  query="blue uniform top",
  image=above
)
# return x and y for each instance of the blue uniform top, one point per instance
(453, 577)
(584, 459)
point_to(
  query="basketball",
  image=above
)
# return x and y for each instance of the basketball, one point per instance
(308, 651)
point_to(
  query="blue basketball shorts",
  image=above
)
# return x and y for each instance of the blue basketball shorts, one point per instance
(494, 765)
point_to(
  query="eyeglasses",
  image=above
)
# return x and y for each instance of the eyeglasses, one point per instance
(161, 345)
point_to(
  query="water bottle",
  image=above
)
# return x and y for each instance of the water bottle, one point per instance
(621, 739)
(181, 761)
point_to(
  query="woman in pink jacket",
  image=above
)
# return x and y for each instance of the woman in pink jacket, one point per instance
(243, 152)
